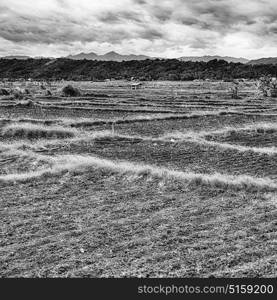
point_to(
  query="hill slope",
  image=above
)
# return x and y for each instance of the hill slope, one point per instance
(207, 58)
(263, 61)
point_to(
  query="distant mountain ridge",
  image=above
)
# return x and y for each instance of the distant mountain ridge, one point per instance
(114, 56)
(207, 58)
(24, 57)
(16, 57)
(110, 56)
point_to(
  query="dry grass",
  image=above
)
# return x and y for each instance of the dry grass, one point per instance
(75, 162)
(155, 117)
(32, 131)
(199, 137)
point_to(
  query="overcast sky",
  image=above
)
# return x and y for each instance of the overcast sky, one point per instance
(164, 28)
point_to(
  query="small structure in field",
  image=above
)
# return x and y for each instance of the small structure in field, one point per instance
(7, 83)
(234, 90)
(136, 85)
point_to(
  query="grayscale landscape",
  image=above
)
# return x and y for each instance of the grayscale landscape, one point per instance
(138, 138)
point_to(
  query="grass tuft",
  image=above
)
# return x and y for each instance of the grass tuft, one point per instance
(33, 131)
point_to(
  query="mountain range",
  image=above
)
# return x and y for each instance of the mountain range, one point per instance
(16, 57)
(110, 56)
(118, 57)
(114, 56)
(23, 57)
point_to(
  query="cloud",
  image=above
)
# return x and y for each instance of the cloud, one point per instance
(164, 27)
(111, 17)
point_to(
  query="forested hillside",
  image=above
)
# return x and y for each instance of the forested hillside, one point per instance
(158, 69)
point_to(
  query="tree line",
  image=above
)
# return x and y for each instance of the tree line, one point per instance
(149, 69)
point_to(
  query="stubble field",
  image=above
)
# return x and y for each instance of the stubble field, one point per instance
(172, 180)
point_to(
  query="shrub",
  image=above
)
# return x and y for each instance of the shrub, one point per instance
(28, 103)
(19, 93)
(70, 91)
(4, 92)
(48, 93)
(267, 86)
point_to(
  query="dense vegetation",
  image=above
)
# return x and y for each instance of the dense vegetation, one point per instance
(165, 69)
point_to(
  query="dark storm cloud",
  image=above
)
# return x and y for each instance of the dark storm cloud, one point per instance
(163, 14)
(221, 16)
(212, 15)
(217, 15)
(120, 17)
(150, 34)
(110, 18)
(52, 31)
(141, 2)
(61, 28)
(34, 30)
(55, 29)
(203, 43)
(62, 3)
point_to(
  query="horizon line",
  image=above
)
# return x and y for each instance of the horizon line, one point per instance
(154, 57)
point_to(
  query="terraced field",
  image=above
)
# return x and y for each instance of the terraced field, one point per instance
(172, 180)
